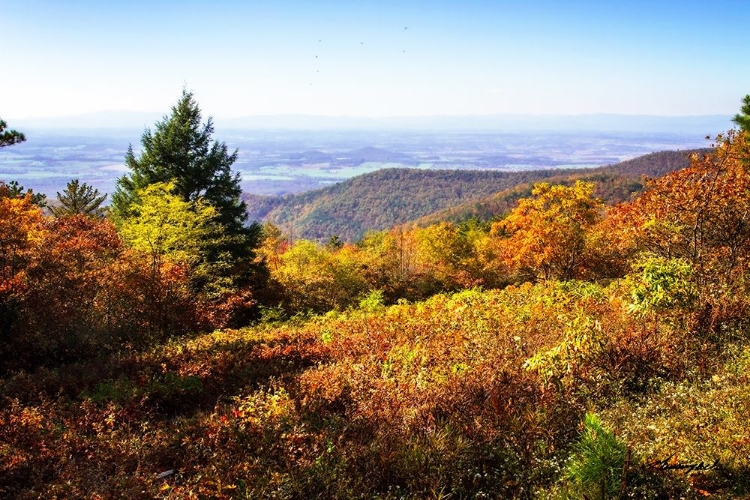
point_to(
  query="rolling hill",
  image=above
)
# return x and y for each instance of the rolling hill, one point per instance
(391, 197)
(614, 184)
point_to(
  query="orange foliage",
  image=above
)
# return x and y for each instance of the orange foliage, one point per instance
(548, 236)
(20, 230)
(71, 290)
(699, 214)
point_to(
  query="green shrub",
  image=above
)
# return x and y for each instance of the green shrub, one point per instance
(595, 469)
(662, 284)
(373, 302)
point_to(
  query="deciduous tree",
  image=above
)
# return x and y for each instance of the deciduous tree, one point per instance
(547, 236)
(177, 236)
(21, 228)
(163, 225)
(699, 214)
(314, 278)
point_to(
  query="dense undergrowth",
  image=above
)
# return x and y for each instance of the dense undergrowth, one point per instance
(477, 394)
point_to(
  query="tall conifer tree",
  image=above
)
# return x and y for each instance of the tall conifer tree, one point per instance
(180, 151)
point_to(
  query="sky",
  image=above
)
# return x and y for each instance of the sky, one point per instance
(374, 59)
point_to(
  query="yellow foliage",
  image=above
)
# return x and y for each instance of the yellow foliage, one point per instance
(164, 225)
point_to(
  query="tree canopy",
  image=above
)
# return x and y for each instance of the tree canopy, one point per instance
(166, 225)
(181, 150)
(13, 189)
(547, 234)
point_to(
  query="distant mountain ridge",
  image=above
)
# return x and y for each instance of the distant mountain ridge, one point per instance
(391, 197)
(351, 158)
(378, 200)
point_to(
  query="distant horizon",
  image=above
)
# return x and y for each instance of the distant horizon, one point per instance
(366, 117)
(502, 123)
(285, 161)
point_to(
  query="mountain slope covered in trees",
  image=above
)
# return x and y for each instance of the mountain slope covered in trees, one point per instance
(390, 197)
(613, 184)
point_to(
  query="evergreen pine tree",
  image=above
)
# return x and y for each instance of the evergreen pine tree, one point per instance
(743, 118)
(180, 151)
(9, 137)
(13, 189)
(79, 199)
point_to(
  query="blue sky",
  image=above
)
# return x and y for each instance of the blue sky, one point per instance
(456, 58)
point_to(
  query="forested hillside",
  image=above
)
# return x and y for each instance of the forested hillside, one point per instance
(613, 184)
(378, 200)
(390, 197)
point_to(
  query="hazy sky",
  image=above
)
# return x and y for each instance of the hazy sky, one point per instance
(470, 57)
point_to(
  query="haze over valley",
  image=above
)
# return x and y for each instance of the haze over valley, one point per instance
(285, 160)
